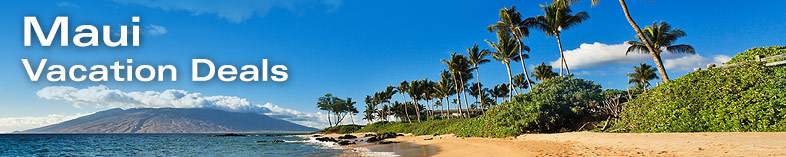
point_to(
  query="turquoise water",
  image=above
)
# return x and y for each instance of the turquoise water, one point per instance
(157, 145)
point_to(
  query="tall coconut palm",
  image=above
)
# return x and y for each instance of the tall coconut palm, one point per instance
(501, 91)
(506, 48)
(445, 88)
(351, 109)
(660, 36)
(459, 67)
(370, 109)
(415, 92)
(404, 87)
(641, 76)
(388, 94)
(543, 72)
(664, 77)
(475, 56)
(519, 82)
(510, 22)
(554, 20)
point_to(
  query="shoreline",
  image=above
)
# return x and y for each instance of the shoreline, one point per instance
(586, 144)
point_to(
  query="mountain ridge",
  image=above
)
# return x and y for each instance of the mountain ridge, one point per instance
(169, 120)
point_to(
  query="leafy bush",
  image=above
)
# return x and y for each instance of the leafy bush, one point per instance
(341, 129)
(763, 51)
(748, 97)
(554, 105)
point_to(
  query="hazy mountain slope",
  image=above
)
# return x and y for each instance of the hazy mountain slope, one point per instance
(169, 120)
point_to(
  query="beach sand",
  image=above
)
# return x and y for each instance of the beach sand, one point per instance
(610, 144)
(590, 144)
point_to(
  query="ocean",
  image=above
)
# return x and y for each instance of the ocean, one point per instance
(160, 145)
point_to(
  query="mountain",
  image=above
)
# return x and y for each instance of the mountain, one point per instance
(170, 120)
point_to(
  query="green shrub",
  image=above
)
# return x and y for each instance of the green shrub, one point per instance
(554, 105)
(749, 97)
(341, 129)
(763, 51)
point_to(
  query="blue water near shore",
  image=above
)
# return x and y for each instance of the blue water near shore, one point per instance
(158, 145)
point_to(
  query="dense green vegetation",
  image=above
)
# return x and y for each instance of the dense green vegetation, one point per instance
(749, 97)
(341, 129)
(763, 51)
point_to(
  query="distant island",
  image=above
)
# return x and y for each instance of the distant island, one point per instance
(170, 120)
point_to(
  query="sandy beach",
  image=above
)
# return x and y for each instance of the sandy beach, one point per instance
(591, 144)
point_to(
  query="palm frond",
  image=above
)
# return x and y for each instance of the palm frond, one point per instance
(681, 48)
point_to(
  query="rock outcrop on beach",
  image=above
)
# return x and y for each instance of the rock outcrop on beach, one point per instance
(170, 120)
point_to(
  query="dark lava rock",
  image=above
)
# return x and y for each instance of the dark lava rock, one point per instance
(347, 137)
(387, 135)
(388, 142)
(317, 136)
(345, 143)
(429, 139)
(400, 135)
(374, 139)
(228, 135)
(369, 135)
(277, 141)
(326, 139)
(261, 141)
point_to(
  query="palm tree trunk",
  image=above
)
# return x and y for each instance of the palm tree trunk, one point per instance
(477, 74)
(417, 108)
(458, 96)
(442, 114)
(663, 76)
(350, 118)
(428, 112)
(405, 107)
(526, 74)
(510, 81)
(562, 54)
(466, 102)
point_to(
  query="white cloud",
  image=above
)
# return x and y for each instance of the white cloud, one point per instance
(234, 11)
(687, 63)
(67, 5)
(10, 124)
(599, 54)
(102, 97)
(154, 30)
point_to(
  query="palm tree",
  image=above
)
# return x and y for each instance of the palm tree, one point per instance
(641, 76)
(475, 58)
(445, 88)
(519, 82)
(639, 33)
(459, 67)
(555, 19)
(415, 91)
(501, 91)
(506, 52)
(510, 22)
(404, 87)
(389, 92)
(543, 72)
(660, 35)
(370, 108)
(351, 109)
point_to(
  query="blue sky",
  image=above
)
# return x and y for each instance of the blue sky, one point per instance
(350, 48)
